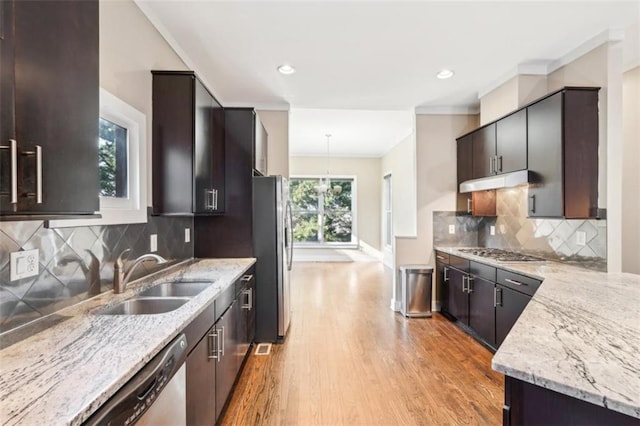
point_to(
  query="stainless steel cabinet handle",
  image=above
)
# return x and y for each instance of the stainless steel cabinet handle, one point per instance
(532, 203)
(469, 283)
(250, 299)
(222, 338)
(491, 165)
(213, 344)
(464, 280)
(440, 257)
(13, 151)
(215, 199)
(495, 297)
(469, 205)
(500, 300)
(514, 282)
(499, 164)
(38, 174)
(246, 278)
(246, 305)
(446, 274)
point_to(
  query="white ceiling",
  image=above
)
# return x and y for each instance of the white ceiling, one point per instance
(375, 55)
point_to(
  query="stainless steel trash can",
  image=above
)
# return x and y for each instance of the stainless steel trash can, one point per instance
(415, 282)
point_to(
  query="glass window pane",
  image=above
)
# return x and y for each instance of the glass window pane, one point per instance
(112, 159)
(338, 195)
(303, 194)
(305, 227)
(337, 227)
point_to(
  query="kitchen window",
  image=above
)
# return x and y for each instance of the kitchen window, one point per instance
(323, 210)
(122, 165)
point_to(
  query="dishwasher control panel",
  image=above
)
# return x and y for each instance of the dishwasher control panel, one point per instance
(134, 399)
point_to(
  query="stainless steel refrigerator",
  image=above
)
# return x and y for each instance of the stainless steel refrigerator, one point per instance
(272, 244)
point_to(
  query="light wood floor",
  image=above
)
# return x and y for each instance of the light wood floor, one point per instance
(350, 360)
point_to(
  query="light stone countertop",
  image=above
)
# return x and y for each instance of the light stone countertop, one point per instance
(579, 335)
(64, 373)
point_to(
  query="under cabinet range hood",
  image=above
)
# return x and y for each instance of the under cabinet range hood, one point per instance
(506, 180)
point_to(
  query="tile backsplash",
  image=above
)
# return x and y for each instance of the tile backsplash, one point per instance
(554, 239)
(77, 263)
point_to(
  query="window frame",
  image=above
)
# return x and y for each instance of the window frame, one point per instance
(132, 209)
(320, 210)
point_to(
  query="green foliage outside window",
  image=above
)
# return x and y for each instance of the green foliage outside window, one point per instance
(328, 212)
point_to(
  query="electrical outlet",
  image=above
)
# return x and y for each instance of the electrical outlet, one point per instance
(153, 243)
(581, 238)
(187, 235)
(24, 264)
(492, 230)
(452, 229)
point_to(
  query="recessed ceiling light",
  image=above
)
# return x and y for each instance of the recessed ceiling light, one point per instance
(286, 69)
(444, 74)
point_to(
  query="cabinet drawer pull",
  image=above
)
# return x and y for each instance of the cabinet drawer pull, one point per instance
(499, 299)
(215, 199)
(213, 345)
(469, 205)
(499, 163)
(222, 338)
(246, 278)
(469, 284)
(514, 282)
(532, 203)
(249, 294)
(464, 287)
(440, 257)
(446, 274)
(208, 199)
(495, 297)
(13, 151)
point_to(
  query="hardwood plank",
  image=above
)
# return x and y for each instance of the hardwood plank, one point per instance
(348, 359)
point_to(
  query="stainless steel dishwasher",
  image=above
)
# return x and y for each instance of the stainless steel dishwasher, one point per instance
(154, 396)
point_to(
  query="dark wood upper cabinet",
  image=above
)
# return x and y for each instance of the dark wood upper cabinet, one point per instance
(464, 171)
(563, 154)
(261, 148)
(49, 95)
(511, 143)
(484, 151)
(188, 146)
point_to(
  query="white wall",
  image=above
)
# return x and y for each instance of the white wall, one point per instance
(276, 123)
(130, 47)
(400, 161)
(369, 189)
(631, 171)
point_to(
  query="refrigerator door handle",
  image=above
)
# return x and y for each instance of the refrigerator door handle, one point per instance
(289, 236)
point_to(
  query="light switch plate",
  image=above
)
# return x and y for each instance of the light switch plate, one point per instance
(452, 229)
(492, 230)
(187, 235)
(24, 264)
(581, 238)
(153, 243)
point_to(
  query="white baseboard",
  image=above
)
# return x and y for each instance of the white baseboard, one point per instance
(396, 305)
(371, 251)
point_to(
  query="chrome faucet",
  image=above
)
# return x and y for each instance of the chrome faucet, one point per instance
(120, 278)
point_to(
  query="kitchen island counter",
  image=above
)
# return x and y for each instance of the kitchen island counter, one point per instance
(578, 336)
(62, 374)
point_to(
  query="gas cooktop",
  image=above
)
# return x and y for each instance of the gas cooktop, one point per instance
(501, 255)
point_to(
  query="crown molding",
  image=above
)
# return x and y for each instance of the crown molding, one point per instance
(448, 110)
(265, 107)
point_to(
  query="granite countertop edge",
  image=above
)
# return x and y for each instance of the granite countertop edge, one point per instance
(569, 340)
(61, 373)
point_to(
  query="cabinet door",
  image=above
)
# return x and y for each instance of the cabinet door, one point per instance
(204, 195)
(510, 305)
(511, 142)
(7, 123)
(260, 152)
(201, 383)
(545, 157)
(457, 299)
(484, 151)
(442, 291)
(227, 368)
(57, 111)
(481, 310)
(465, 171)
(242, 345)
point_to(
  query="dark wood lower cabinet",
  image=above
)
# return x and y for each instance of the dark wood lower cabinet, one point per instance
(201, 379)
(509, 306)
(528, 404)
(481, 309)
(457, 297)
(228, 366)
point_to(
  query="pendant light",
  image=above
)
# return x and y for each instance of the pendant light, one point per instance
(326, 184)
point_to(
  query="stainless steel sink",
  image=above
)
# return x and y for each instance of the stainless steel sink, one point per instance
(176, 289)
(146, 306)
